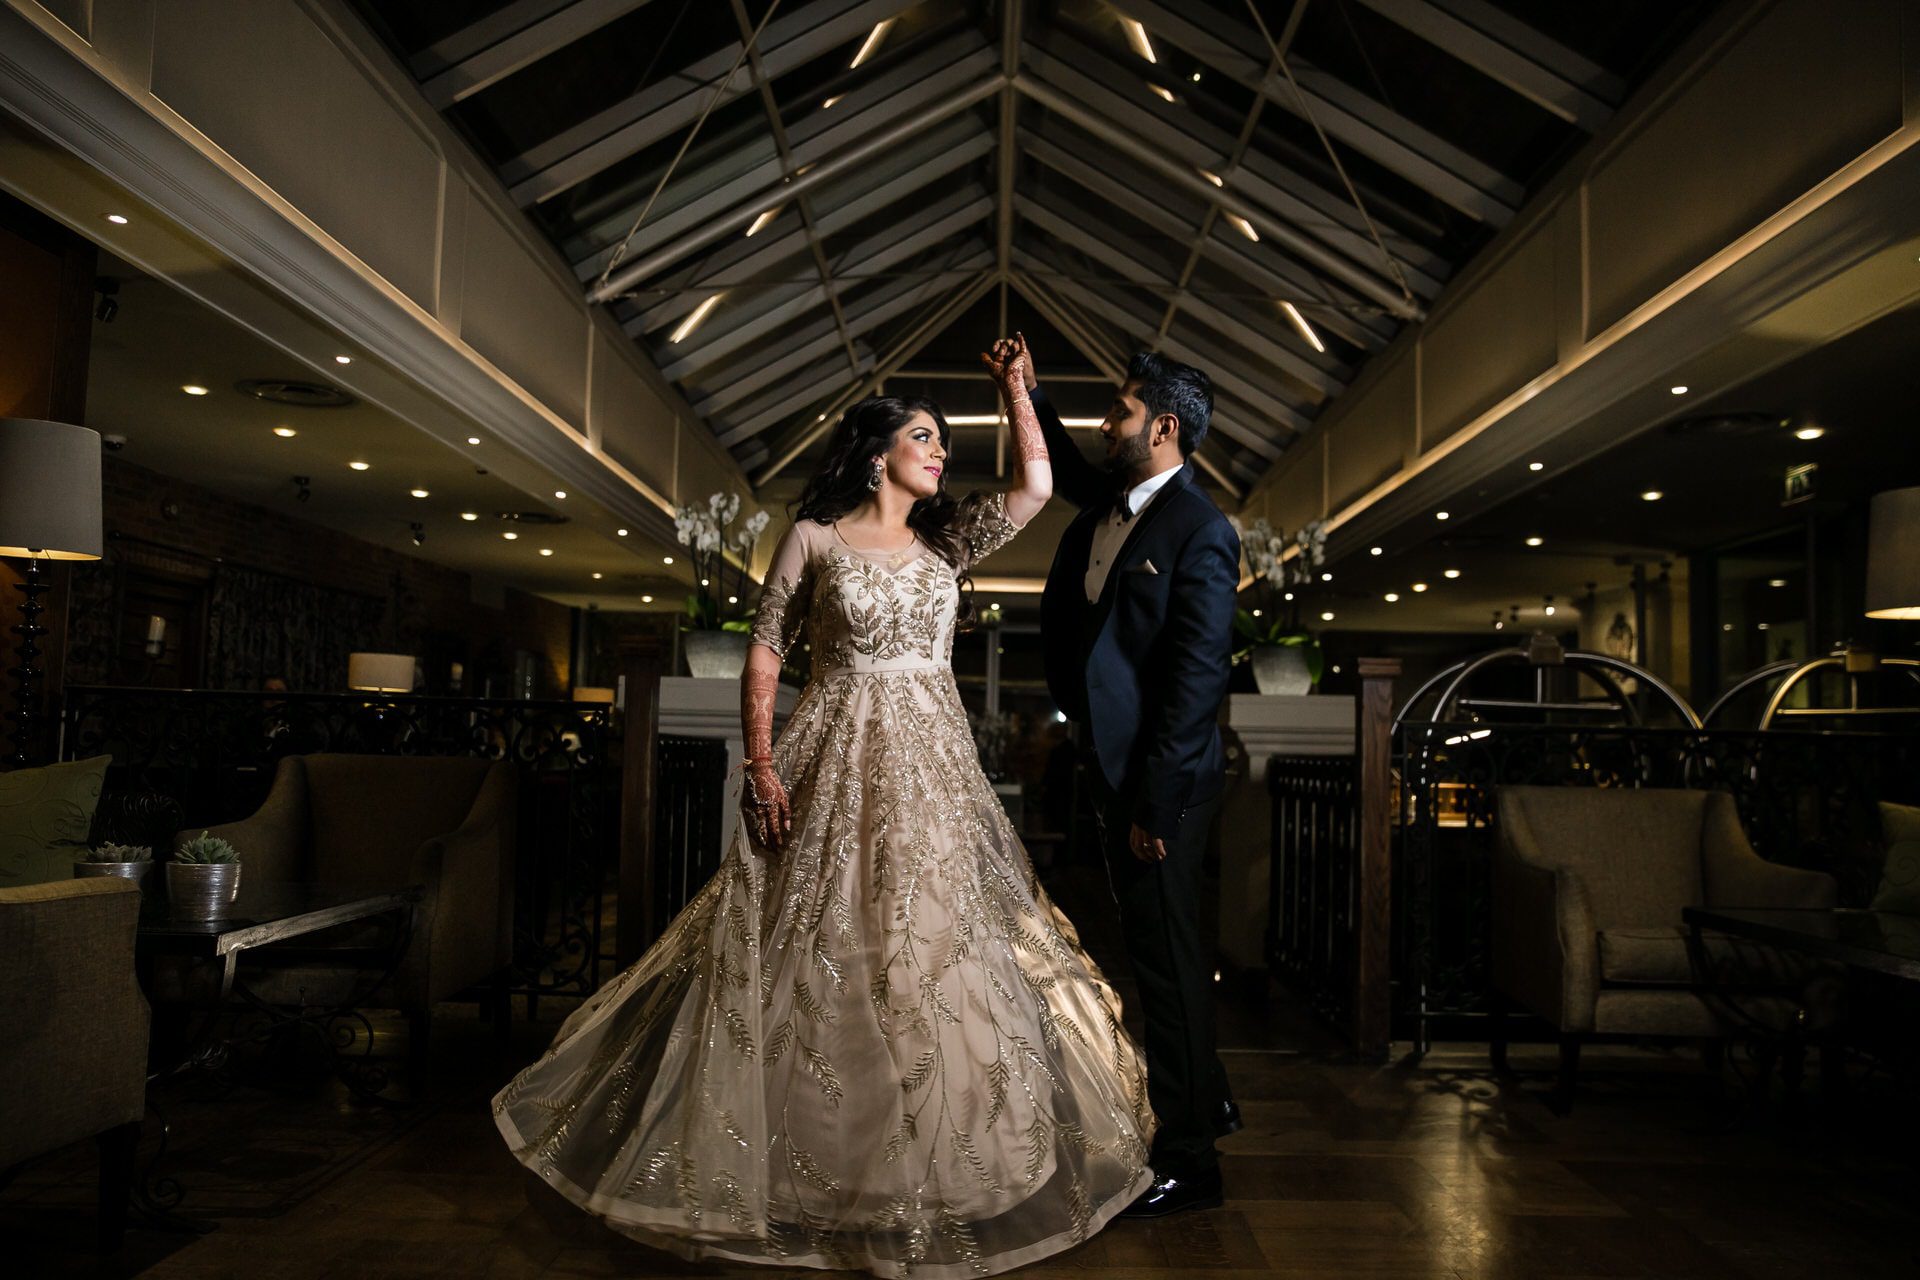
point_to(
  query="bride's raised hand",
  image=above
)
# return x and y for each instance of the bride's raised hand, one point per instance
(1007, 363)
(765, 808)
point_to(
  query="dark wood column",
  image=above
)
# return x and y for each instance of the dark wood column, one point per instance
(1373, 908)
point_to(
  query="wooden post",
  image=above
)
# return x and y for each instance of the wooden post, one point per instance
(1373, 905)
(641, 666)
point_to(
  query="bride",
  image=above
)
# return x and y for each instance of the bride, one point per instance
(871, 1040)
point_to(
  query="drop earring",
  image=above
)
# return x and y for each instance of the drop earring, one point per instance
(874, 476)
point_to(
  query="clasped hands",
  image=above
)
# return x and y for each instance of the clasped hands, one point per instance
(1011, 365)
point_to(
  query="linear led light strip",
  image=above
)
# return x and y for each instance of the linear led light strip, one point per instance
(872, 44)
(1137, 37)
(692, 322)
(990, 419)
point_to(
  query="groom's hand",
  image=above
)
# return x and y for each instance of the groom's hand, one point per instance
(1145, 847)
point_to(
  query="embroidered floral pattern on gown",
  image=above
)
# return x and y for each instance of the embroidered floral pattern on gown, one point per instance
(883, 1049)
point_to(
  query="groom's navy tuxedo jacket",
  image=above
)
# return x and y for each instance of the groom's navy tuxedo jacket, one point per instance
(1144, 667)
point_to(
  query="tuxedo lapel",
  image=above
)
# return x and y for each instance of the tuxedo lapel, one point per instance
(1141, 519)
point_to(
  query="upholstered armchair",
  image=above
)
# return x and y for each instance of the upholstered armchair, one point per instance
(443, 823)
(1588, 887)
(73, 1030)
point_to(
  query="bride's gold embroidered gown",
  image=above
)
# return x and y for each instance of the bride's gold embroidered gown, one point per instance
(885, 1048)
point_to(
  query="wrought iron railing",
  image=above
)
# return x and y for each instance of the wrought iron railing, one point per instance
(215, 754)
(1805, 799)
(1312, 890)
(691, 779)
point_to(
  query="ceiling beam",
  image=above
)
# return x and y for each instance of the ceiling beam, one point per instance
(1184, 175)
(1105, 244)
(865, 311)
(752, 163)
(867, 191)
(805, 206)
(630, 126)
(924, 230)
(551, 29)
(1476, 33)
(1259, 264)
(874, 144)
(797, 439)
(806, 389)
(1423, 158)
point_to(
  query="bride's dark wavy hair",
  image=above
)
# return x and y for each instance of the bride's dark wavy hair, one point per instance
(840, 485)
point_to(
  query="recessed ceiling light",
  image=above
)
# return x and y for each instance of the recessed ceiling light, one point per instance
(1763, 626)
(1374, 551)
(1289, 595)
(1536, 466)
(1196, 77)
(1392, 597)
(1327, 616)
(560, 494)
(1256, 613)
(1550, 611)
(730, 599)
(1451, 573)
(358, 465)
(1534, 542)
(510, 535)
(1776, 582)
(546, 551)
(117, 219)
(646, 599)
(1652, 495)
(418, 493)
(597, 577)
(343, 359)
(1726, 626)
(623, 533)
(473, 439)
(1419, 587)
(193, 390)
(666, 559)
(1809, 433)
(469, 515)
(1326, 577)
(1679, 390)
(285, 433)
(1443, 515)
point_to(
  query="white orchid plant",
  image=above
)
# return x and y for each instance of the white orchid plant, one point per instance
(1276, 620)
(704, 531)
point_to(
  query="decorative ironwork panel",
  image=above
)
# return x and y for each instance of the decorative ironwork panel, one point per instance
(1312, 888)
(1805, 799)
(215, 753)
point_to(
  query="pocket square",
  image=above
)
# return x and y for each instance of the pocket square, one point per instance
(1145, 566)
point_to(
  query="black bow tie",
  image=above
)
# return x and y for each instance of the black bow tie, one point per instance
(1120, 507)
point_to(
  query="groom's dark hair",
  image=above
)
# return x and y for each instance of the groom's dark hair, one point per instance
(1167, 386)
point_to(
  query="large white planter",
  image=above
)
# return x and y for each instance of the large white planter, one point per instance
(716, 654)
(1279, 668)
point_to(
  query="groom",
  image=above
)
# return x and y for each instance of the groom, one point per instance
(1138, 617)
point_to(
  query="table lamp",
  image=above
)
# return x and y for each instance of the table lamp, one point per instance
(1893, 555)
(49, 510)
(380, 672)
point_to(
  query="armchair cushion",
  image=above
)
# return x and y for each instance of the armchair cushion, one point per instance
(45, 815)
(1900, 878)
(73, 1024)
(1660, 956)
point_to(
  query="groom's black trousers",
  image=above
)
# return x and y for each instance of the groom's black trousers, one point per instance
(1160, 922)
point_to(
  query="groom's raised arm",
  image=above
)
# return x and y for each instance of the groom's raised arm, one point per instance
(1074, 478)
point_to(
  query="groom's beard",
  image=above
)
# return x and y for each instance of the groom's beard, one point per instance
(1130, 452)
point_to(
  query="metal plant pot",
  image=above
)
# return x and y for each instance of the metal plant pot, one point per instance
(716, 653)
(1279, 668)
(202, 890)
(134, 871)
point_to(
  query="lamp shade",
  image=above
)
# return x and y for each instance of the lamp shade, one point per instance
(593, 693)
(1893, 554)
(380, 672)
(49, 490)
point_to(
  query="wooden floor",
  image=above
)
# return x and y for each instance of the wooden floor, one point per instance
(1429, 1168)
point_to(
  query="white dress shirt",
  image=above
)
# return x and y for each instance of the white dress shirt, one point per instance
(1110, 533)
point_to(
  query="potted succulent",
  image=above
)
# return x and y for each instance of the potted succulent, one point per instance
(203, 877)
(128, 861)
(1284, 655)
(716, 633)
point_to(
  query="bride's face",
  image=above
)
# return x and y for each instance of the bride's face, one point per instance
(916, 461)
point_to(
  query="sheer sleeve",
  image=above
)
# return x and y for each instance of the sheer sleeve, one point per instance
(777, 622)
(985, 524)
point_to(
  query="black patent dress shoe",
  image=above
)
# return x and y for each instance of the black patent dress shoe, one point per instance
(1175, 1193)
(1229, 1120)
